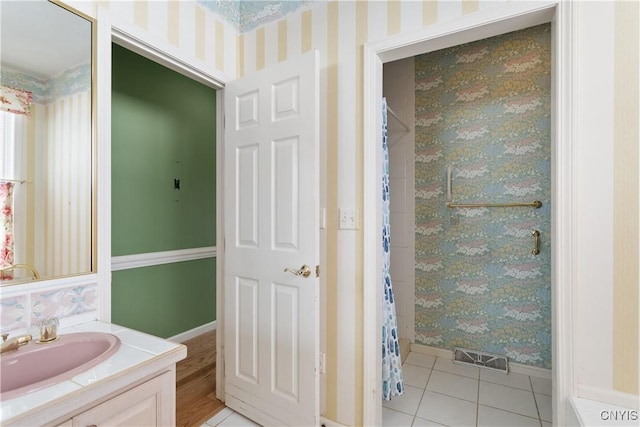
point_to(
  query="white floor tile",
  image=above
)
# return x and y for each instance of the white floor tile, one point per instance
(447, 410)
(491, 417)
(512, 380)
(237, 420)
(546, 424)
(391, 418)
(407, 403)
(447, 365)
(414, 375)
(419, 359)
(541, 386)
(419, 422)
(508, 398)
(220, 416)
(544, 407)
(453, 385)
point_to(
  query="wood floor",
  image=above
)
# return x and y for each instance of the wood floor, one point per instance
(196, 382)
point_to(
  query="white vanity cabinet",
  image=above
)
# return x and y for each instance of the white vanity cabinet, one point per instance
(148, 404)
(136, 386)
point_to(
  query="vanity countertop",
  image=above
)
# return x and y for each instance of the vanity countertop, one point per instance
(139, 356)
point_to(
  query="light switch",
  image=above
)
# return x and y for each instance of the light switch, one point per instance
(348, 219)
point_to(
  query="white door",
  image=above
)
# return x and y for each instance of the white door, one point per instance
(271, 199)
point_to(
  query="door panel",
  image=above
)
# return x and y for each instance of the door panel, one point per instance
(271, 223)
(247, 330)
(286, 204)
(247, 212)
(284, 341)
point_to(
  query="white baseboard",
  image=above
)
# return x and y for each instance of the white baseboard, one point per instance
(532, 371)
(516, 368)
(610, 397)
(433, 351)
(329, 423)
(192, 333)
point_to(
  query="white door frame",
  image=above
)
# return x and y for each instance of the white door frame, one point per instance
(503, 19)
(112, 29)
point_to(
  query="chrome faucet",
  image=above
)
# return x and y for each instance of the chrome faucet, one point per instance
(14, 343)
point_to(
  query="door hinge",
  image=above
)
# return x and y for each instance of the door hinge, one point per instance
(317, 270)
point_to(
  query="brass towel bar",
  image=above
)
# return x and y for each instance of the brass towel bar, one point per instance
(18, 181)
(535, 204)
(451, 205)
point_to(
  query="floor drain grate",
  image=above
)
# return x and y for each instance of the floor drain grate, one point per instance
(495, 362)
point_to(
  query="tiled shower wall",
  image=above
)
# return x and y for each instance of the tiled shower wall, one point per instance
(398, 89)
(484, 109)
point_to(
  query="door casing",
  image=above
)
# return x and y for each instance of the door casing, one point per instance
(504, 19)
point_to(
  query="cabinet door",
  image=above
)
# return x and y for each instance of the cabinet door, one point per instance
(144, 405)
(68, 423)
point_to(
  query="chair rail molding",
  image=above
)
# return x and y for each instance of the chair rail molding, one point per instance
(126, 262)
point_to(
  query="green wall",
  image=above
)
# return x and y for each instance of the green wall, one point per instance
(165, 300)
(163, 128)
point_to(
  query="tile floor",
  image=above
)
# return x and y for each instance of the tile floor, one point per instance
(439, 392)
(229, 418)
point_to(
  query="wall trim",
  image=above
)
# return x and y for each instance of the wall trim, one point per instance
(433, 351)
(192, 333)
(165, 54)
(329, 423)
(62, 282)
(220, 244)
(516, 368)
(127, 262)
(103, 162)
(602, 396)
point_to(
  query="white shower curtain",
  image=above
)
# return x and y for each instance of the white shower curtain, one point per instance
(392, 384)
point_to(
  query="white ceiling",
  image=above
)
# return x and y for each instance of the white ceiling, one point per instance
(42, 39)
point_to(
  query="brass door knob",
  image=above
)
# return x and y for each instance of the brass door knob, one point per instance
(305, 271)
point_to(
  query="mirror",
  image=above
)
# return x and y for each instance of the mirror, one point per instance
(46, 142)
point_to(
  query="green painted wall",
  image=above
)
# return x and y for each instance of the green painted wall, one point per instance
(165, 300)
(163, 128)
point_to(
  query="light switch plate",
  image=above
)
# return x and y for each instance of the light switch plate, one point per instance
(348, 219)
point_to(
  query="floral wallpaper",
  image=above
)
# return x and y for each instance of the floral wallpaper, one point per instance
(227, 9)
(246, 15)
(483, 108)
(70, 82)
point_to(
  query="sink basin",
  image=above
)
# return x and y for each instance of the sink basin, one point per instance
(35, 365)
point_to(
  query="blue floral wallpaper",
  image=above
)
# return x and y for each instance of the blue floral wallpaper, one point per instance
(483, 108)
(227, 9)
(74, 80)
(246, 15)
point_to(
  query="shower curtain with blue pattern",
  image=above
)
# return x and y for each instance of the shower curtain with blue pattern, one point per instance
(392, 384)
